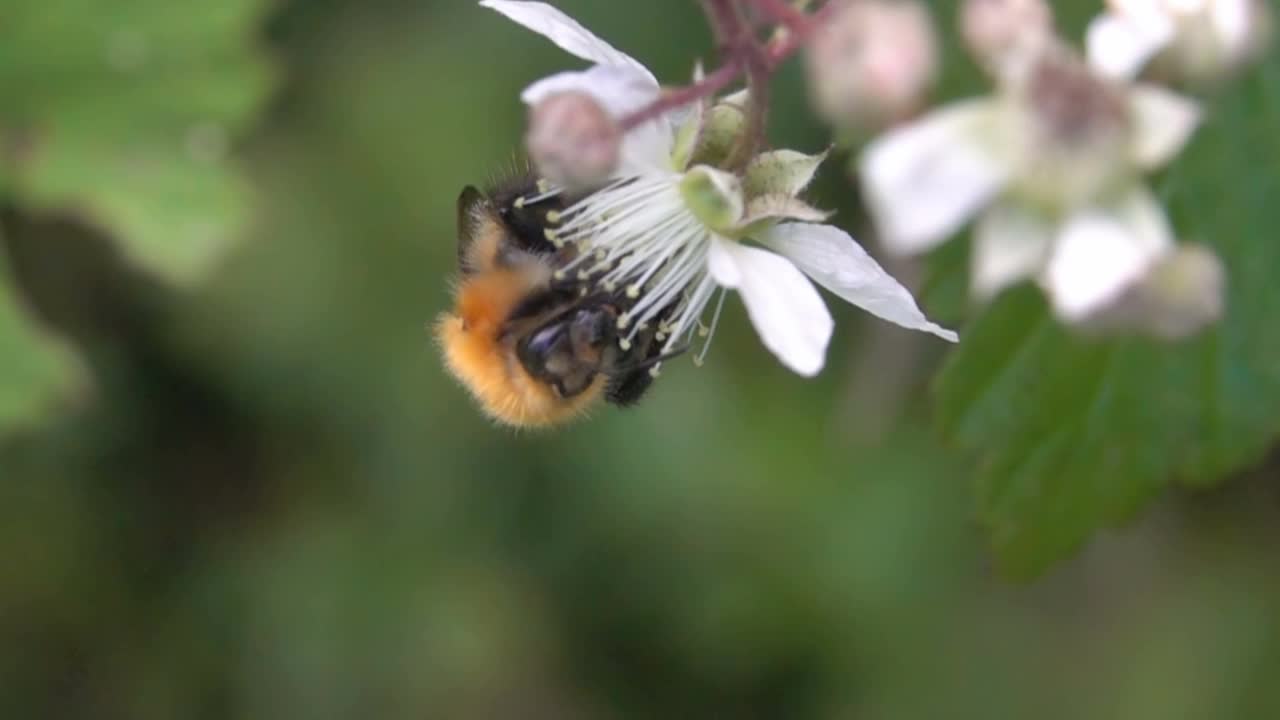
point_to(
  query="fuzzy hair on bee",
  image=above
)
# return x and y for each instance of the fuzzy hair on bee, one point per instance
(533, 349)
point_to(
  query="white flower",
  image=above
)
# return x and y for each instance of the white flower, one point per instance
(670, 236)
(1052, 166)
(1202, 40)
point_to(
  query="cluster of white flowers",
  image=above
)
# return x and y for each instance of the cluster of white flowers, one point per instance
(1051, 166)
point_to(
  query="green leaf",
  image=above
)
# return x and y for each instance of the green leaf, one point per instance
(1076, 434)
(37, 371)
(123, 113)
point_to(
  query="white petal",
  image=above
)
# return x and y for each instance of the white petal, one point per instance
(1120, 45)
(1009, 243)
(786, 310)
(567, 33)
(1231, 20)
(1163, 121)
(924, 181)
(620, 91)
(1102, 251)
(837, 262)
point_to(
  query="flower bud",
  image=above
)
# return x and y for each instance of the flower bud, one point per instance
(872, 62)
(1003, 32)
(723, 127)
(1181, 295)
(572, 140)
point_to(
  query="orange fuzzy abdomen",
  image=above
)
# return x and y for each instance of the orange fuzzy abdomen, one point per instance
(487, 364)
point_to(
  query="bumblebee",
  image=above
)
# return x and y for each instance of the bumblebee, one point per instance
(534, 349)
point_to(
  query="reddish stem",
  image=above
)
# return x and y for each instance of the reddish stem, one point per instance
(718, 80)
(743, 54)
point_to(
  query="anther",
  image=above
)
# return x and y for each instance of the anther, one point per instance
(553, 217)
(543, 186)
(625, 344)
(633, 291)
(584, 275)
(697, 362)
(660, 337)
(610, 286)
(655, 371)
(703, 331)
(623, 321)
(559, 275)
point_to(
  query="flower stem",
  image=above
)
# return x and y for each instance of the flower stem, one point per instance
(743, 54)
(713, 83)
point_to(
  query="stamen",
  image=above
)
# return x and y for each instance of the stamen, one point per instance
(711, 332)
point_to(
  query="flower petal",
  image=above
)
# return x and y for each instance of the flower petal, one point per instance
(923, 181)
(1009, 243)
(1119, 45)
(1163, 122)
(786, 310)
(837, 262)
(1103, 251)
(621, 91)
(567, 33)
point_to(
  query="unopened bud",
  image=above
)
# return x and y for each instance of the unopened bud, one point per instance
(872, 62)
(1181, 295)
(572, 140)
(723, 128)
(1001, 33)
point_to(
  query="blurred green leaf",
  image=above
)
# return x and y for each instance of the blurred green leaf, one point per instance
(1077, 434)
(36, 370)
(127, 119)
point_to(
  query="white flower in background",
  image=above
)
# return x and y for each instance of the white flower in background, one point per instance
(669, 235)
(1051, 166)
(1197, 40)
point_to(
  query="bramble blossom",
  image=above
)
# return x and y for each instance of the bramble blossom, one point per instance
(670, 234)
(1051, 166)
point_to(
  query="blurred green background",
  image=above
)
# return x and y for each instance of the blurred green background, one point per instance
(272, 502)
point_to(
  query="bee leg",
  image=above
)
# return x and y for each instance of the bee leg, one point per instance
(628, 386)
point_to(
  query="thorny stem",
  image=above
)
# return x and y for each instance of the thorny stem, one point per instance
(743, 53)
